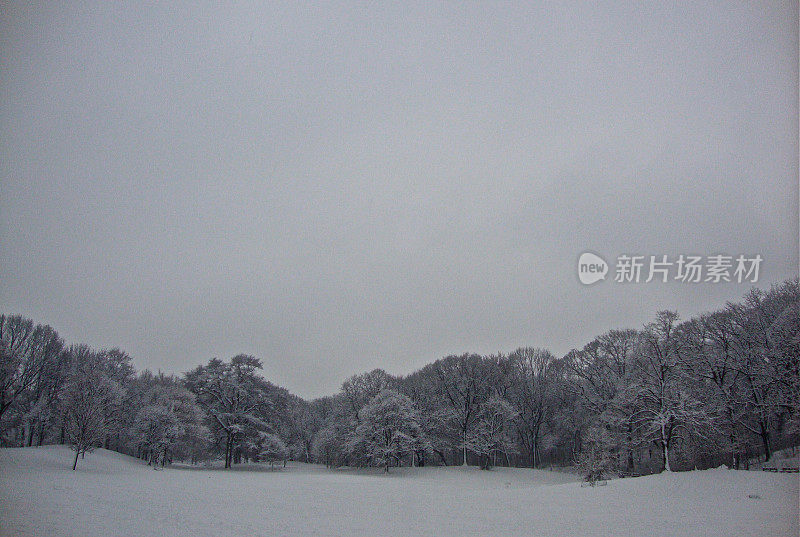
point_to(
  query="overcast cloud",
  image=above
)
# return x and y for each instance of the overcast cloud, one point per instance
(340, 187)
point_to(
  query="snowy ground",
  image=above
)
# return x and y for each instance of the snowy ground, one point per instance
(111, 494)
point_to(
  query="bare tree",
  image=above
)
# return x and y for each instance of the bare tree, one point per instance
(462, 385)
(26, 352)
(766, 345)
(664, 407)
(710, 356)
(598, 373)
(535, 376)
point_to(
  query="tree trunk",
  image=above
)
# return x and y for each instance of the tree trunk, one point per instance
(665, 449)
(766, 441)
(28, 435)
(630, 451)
(464, 434)
(75, 462)
(228, 446)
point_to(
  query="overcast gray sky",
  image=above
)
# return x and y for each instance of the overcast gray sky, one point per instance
(345, 186)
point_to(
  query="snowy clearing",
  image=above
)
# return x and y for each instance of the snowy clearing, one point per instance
(112, 494)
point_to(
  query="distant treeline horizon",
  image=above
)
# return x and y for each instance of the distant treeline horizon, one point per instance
(720, 387)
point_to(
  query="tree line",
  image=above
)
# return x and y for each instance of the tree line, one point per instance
(721, 387)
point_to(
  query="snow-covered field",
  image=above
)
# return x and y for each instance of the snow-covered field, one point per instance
(111, 494)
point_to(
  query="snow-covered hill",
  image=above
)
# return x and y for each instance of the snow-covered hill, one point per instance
(111, 494)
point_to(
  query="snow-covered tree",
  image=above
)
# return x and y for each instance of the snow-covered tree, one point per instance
(389, 428)
(239, 402)
(85, 400)
(269, 447)
(324, 446)
(169, 422)
(490, 435)
(157, 430)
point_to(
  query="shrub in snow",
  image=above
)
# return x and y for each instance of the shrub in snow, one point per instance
(595, 458)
